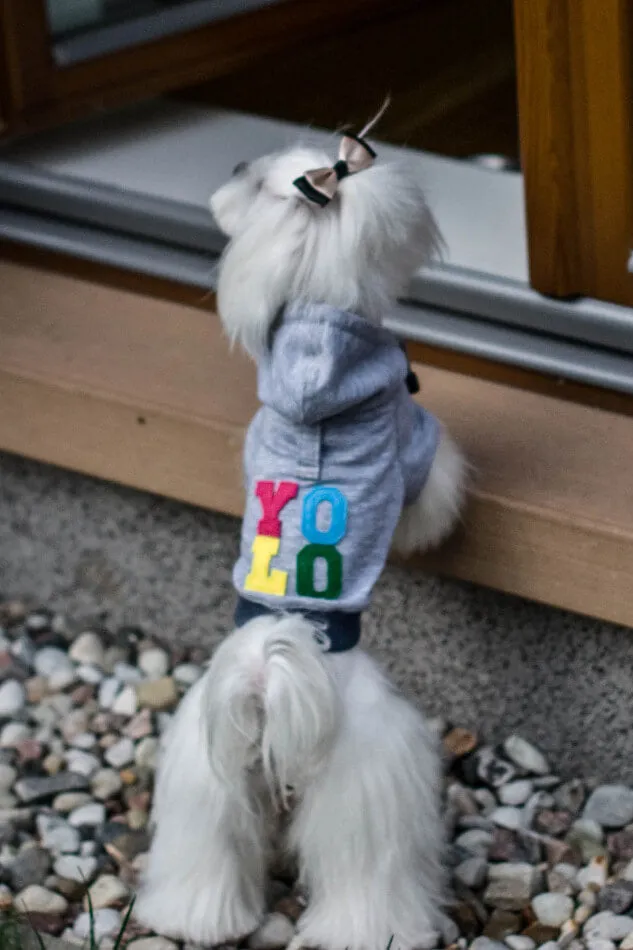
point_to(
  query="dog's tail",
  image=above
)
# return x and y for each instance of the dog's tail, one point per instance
(272, 704)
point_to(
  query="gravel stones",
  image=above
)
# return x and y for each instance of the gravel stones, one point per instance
(154, 663)
(103, 923)
(88, 648)
(106, 783)
(158, 694)
(12, 697)
(535, 862)
(51, 660)
(552, 909)
(507, 817)
(472, 873)
(8, 776)
(39, 789)
(153, 943)
(608, 926)
(517, 792)
(120, 754)
(511, 886)
(76, 868)
(60, 838)
(616, 897)
(39, 900)
(107, 891)
(611, 806)
(31, 866)
(526, 756)
(88, 815)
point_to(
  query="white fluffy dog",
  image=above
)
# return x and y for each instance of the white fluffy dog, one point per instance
(281, 739)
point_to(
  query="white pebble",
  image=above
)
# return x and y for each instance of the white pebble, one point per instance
(126, 702)
(106, 922)
(127, 673)
(520, 942)
(89, 674)
(74, 868)
(276, 931)
(186, 674)
(13, 733)
(599, 943)
(507, 817)
(88, 849)
(627, 873)
(120, 754)
(85, 741)
(146, 752)
(152, 943)
(8, 776)
(107, 890)
(61, 679)
(92, 815)
(627, 943)
(82, 762)
(68, 801)
(50, 660)
(595, 873)
(516, 793)
(106, 783)
(525, 755)
(12, 697)
(39, 900)
(108, 691)
(552, 909)
(154, 663)
(88, 648)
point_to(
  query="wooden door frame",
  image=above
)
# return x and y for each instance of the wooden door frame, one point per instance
(574, 64)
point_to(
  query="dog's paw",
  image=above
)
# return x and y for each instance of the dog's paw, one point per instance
(202, 920)
(342, 929)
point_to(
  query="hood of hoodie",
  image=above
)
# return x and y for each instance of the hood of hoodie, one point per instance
(322, 362)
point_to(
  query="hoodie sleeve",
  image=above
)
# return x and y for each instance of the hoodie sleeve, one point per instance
(418, 437)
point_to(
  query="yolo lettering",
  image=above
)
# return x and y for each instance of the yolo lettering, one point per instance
(321, 541)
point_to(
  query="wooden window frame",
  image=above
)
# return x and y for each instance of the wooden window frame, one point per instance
(35, 92)
(574, 76)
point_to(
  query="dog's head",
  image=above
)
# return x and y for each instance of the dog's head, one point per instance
(357, 251)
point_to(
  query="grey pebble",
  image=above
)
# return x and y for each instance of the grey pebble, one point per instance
(30, 866)
(38, 789)
(472, 873)
(476, 842)
(608, 926)
(610, 805)
(76, 868)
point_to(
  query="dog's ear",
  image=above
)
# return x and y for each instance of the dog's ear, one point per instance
(256, 274)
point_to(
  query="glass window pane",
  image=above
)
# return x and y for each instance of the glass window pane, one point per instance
(83, 29)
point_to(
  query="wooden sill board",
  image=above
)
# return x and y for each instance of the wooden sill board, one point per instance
(145, 392)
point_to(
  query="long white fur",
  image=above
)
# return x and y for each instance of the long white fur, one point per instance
(274, 723)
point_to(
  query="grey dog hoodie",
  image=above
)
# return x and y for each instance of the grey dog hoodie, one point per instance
(335, 452)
